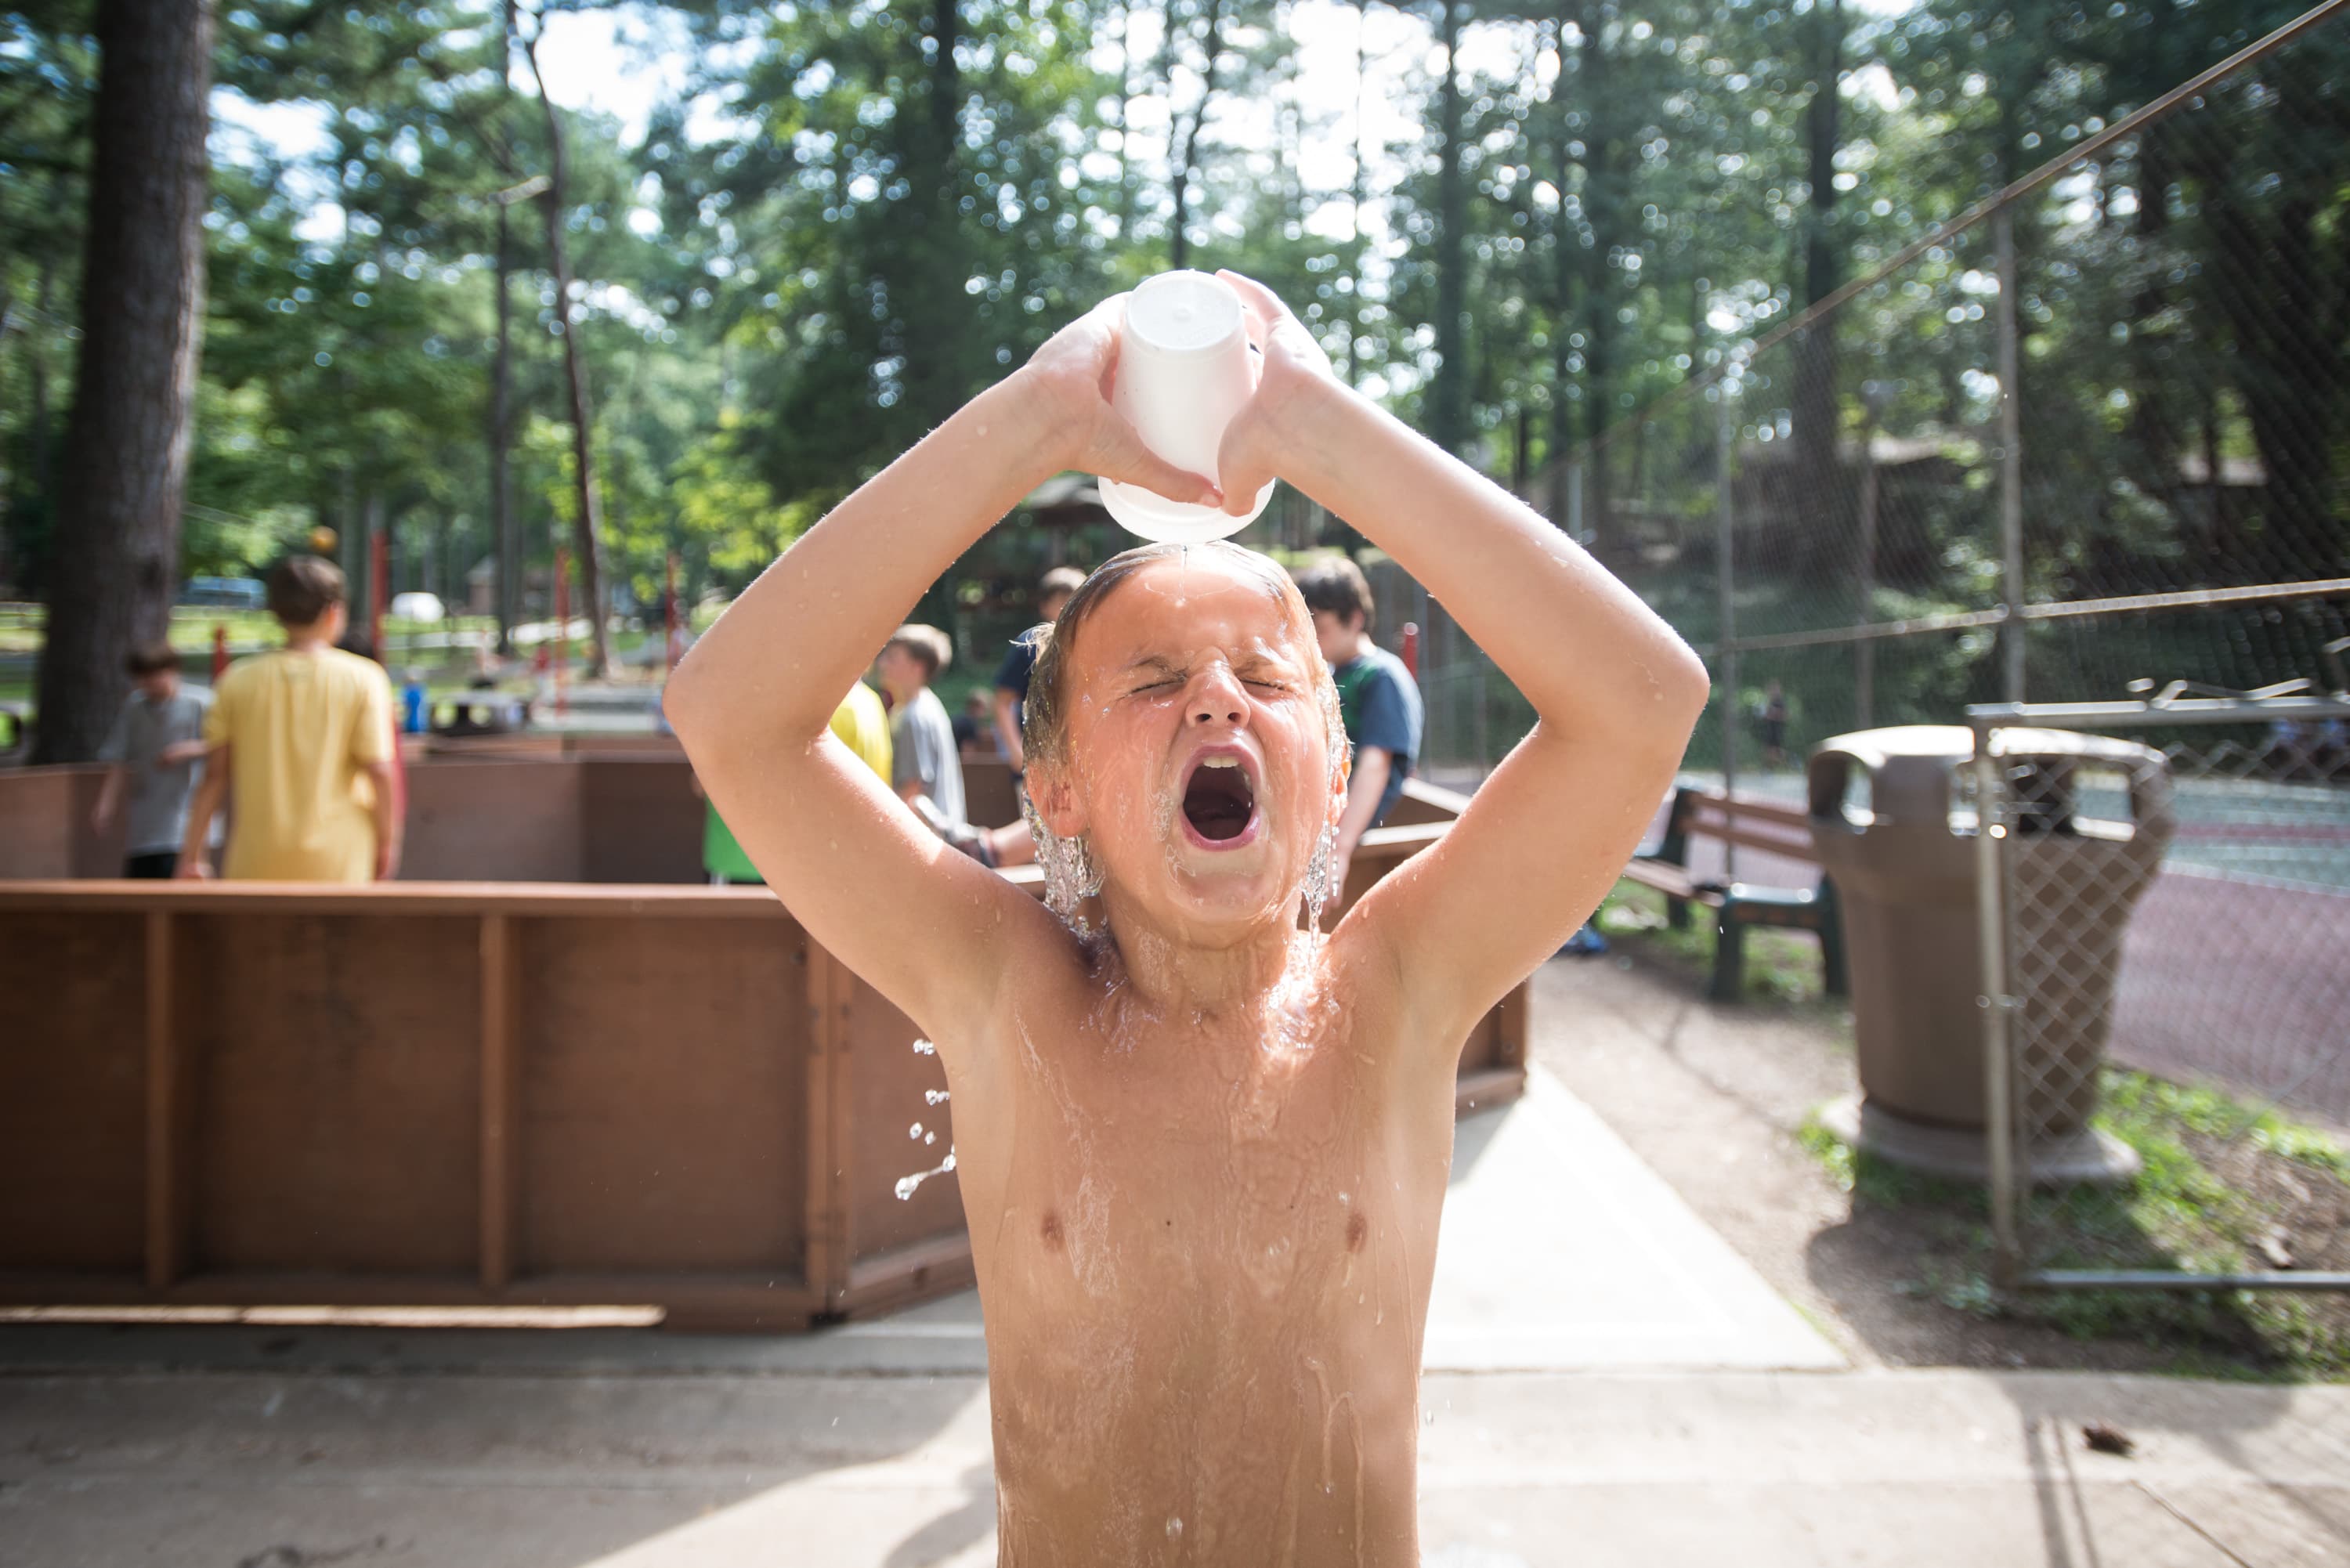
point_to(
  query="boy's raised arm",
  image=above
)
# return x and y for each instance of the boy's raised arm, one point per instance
(1615, 691)
(752, 701)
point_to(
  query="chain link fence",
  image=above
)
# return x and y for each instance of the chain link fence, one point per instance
(2088, 433)
(2167, 993)
(2083, 443)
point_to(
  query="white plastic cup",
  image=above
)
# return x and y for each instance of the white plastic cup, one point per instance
(1184, 368)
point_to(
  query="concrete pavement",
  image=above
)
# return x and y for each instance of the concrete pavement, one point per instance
(543, 1469)
(1608, 1382)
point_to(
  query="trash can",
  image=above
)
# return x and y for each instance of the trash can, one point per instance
(1904, 869)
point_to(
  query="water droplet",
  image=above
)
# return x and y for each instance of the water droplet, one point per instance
(914, 1131)
(930, 1138)
(936, 1096)
(1174, 1529)
(925, 1048)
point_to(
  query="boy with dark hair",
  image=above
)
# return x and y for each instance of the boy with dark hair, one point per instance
(157, 747)
(301, 742)
(1012, 676)
(1378, 698)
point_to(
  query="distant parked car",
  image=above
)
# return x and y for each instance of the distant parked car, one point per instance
(419, 607)
(225, 593)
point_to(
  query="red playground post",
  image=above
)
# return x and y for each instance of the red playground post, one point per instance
(220, 650)
(1412, 648)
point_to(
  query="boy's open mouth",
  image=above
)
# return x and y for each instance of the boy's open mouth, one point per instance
(1219, 800)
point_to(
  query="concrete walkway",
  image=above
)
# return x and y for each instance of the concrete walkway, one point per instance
(526, 1470)
(1565, 1264)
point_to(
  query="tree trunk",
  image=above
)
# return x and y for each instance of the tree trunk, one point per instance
(1815, 395)
(505, 537)
(588, 516)
(1356, 193)
(932, 315)
(1179, 247)
(142, 298)
(1447, 395)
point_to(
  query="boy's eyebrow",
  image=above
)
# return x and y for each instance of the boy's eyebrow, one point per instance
(1153, 661)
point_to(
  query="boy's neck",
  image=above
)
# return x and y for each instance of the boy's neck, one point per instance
(1166, 966)
(311, 639)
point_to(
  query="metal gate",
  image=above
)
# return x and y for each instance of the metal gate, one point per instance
(2165, 922)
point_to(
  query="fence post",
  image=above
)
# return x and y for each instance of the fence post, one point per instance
(1990, 926)
(1725, 430)
(1574, 502)
(2011, 463)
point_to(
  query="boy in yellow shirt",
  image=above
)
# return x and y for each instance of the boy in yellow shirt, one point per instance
(301, 747)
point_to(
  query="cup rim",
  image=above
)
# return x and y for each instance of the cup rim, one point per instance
(1152, 507)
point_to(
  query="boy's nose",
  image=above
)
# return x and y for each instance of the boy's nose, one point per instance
(1218, 698)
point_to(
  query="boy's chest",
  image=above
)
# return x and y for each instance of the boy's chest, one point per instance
(1248, 1176)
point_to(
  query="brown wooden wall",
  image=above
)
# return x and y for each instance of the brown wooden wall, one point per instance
(420, 1093)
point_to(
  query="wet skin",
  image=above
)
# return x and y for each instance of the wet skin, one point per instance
(1203, 1157)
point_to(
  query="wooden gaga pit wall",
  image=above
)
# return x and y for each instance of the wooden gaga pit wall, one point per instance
(487, 1093)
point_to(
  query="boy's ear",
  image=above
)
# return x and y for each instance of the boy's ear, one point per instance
(1056, 802)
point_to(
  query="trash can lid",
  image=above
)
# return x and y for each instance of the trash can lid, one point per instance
(1910, 768)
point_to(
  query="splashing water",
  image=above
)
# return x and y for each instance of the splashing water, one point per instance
(925, 1048)
(909, 1185)
(936, 1096)
(1071, 873)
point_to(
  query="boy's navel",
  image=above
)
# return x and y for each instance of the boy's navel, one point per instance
(1357, 1230)
(1049, 1231)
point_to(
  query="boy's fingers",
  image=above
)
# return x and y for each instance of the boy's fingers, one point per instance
(1255, 293)
(1127, 460)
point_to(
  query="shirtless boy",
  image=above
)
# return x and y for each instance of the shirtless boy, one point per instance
(1202, 1153)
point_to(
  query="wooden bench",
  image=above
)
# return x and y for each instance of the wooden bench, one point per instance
(1783, 831)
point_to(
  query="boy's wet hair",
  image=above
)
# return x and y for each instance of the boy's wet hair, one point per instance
(928, 645)
(1045, 723)
(301, 588)
(1336, 585)
(151, 658)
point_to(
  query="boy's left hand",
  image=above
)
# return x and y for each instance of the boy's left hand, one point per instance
(1265, 433)
(1072, 376)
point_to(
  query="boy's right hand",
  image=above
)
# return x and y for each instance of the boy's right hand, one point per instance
(1070, 378)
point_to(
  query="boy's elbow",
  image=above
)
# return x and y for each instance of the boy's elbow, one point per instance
(1686, 684)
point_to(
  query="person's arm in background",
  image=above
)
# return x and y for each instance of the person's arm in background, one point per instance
(1007, 729)
(390, 818)
(1011, 680)
(109, 793)
(200, 809)
(374, 748)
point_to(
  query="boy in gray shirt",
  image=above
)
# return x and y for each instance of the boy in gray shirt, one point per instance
(925, 764)
(157, 748)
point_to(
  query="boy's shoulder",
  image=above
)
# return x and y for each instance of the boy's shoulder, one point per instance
(1372, 666)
